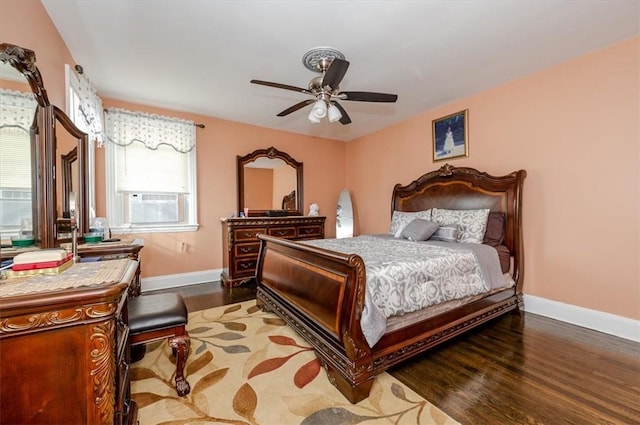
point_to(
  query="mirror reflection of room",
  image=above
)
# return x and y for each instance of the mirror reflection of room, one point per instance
(17, 111)
(269, 182)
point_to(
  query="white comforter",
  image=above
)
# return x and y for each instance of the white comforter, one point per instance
(405, 276)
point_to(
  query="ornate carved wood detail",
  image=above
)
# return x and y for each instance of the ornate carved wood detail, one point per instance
(24, 61)
(273, 221)
(384, 362)
(102, 373)
(181, 344)
(18, 324)
(271, 153)
(353, 349)
(325, 352)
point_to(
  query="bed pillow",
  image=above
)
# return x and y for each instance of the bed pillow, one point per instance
(448, 233)
(400, 219)
(505, 258)
(419, 230)
(472, 223)
(494, 235)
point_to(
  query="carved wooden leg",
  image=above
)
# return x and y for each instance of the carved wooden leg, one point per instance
(353, 392)
(180, 345)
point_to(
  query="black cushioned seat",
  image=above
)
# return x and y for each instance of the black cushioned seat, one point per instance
(156, 311)
(159, 316)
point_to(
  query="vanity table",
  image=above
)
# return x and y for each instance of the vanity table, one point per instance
(126, 248)
(64, 346)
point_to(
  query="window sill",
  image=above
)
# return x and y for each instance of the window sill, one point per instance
(141, 228)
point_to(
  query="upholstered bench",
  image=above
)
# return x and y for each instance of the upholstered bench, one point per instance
(158, 316)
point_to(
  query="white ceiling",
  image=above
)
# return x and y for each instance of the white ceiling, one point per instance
(199, 55)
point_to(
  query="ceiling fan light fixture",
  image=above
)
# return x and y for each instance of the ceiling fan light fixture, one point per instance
(319, 109)
(313, 118)
(334, 113)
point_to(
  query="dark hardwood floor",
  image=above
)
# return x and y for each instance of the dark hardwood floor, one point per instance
(518, 369)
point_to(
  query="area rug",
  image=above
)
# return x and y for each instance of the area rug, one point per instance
(248, 367)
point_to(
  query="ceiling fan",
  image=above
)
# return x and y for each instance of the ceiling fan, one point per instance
(325, 89)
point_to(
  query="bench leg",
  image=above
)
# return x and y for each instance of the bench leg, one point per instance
(180, 345)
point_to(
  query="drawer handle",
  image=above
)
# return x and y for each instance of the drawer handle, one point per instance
(246, 266)
(307, 231)
(282, 232)
(249, 234)
(245, 250)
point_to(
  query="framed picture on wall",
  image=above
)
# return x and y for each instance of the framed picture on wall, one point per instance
(451, 136)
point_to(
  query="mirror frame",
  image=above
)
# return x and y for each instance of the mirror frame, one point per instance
(24, 61)
(48, 117)
(66, 161)
(51, 217)
(272, 153)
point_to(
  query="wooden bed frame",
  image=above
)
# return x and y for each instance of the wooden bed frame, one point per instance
(320, 293)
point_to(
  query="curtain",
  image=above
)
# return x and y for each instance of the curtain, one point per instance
(17, 112)
(17, 109)
(125, 127)
(152, 152)
(90, 108)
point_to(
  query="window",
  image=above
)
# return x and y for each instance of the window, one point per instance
(151, 172)
(84, 108)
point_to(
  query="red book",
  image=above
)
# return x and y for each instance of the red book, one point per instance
(41, 265)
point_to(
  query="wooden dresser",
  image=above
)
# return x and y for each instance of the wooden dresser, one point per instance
(240, 245)
(64, 346)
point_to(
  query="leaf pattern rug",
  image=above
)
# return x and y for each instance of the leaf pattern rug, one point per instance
(248, 367)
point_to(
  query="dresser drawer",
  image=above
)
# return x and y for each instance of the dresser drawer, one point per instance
(313, 231)
(248, 234)
(283, 232)
(245, 249)
(245, 266)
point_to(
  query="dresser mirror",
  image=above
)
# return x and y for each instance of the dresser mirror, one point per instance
(269, 183)
(71, 178)
(18, 156)
(47, 162)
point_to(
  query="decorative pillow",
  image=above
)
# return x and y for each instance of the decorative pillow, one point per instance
(400, 219)
(505, 258)
(494, 235)
(419, 230)
(447, 233)
(473, 223)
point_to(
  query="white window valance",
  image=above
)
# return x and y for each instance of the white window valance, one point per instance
(125, 127)
(91, 109)
(17, 109)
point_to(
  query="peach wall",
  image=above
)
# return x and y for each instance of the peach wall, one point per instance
(575, 129)
(27, 24)
(217, 146)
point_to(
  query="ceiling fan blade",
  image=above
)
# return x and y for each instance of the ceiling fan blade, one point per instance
(345, 117)
(295, 107)
(365, 96)
(335, 73)
(281, 86)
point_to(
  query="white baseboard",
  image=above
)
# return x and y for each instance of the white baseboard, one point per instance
(580, 316)
(176, 280)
